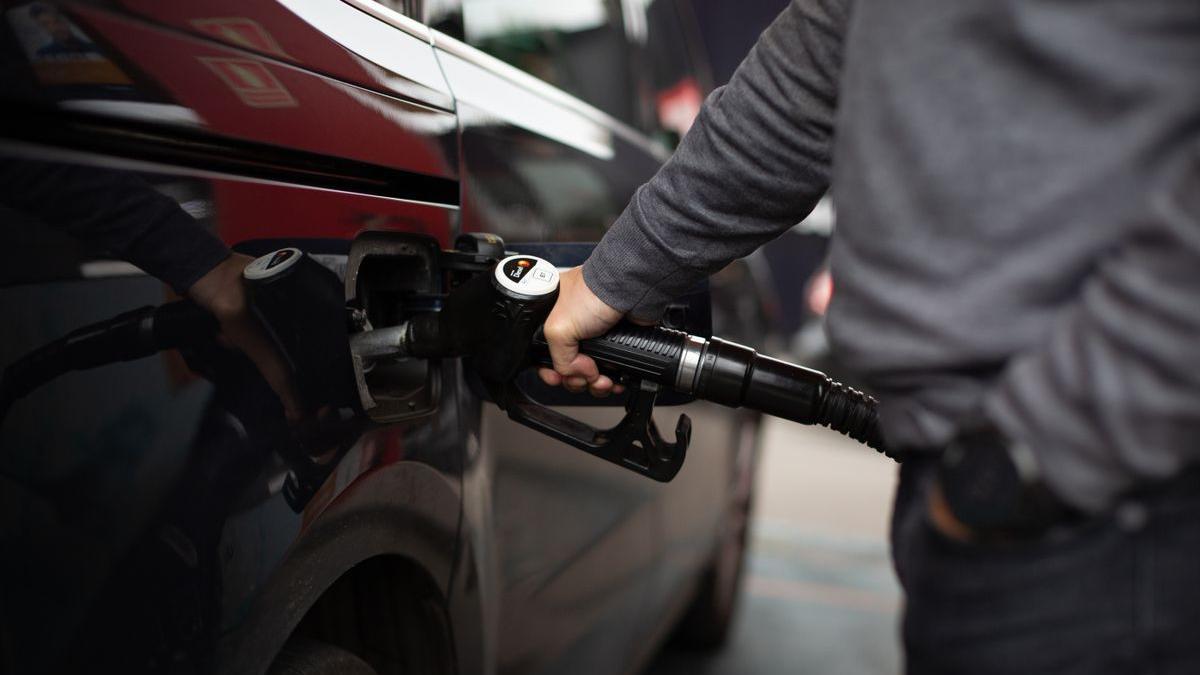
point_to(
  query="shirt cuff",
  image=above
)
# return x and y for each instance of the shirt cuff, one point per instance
(631, 272)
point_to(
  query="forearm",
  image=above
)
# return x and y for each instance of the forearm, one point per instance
(755, 163)
(1112, 396)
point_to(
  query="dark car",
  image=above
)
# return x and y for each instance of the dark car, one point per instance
(150, 519)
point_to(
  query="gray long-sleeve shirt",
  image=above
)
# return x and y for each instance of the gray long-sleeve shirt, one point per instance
(1017, 185)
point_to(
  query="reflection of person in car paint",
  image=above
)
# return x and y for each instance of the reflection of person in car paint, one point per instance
(119, 212)
(64, 41)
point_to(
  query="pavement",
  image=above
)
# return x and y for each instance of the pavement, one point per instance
(819, 595)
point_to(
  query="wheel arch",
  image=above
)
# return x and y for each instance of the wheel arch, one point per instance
(404, 517)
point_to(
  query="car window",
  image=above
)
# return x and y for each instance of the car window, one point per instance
(674, 61)
(578, 46)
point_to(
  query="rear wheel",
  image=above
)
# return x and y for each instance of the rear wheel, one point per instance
(303, 656)
(706, 623)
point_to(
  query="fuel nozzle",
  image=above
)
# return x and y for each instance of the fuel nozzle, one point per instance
(495, 319)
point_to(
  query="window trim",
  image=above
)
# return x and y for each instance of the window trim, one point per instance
(393, 18)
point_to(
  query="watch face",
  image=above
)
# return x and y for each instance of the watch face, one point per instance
(526, 276)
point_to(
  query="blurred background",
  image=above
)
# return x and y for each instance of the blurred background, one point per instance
(819, 595)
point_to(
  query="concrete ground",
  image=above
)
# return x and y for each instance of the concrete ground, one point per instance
(819, 594)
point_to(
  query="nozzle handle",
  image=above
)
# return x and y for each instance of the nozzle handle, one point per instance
(645, 352)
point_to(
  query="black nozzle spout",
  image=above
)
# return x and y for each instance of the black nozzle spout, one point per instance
(853, 413)
(734, 375)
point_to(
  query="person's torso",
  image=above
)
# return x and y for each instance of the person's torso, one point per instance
(989, 153)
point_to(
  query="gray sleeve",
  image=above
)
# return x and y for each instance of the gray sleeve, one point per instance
(1112, 397)
(755, 163)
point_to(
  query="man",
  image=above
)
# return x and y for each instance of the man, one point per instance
(1017, 261)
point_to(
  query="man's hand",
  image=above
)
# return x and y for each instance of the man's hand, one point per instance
(577, 315)
(222, 293)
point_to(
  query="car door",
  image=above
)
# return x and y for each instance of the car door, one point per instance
(578, 557)
(147, 521)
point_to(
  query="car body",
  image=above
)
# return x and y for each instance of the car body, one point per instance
(143, 514)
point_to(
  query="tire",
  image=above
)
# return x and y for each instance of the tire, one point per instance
(302, 656)
(705, 625)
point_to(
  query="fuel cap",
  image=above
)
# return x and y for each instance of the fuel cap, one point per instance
(525, 277)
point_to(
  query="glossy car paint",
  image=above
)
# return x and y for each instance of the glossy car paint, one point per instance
(569, 548)
(334, 38)
(145, 502)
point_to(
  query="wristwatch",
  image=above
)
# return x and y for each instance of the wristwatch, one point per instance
(994, 487)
